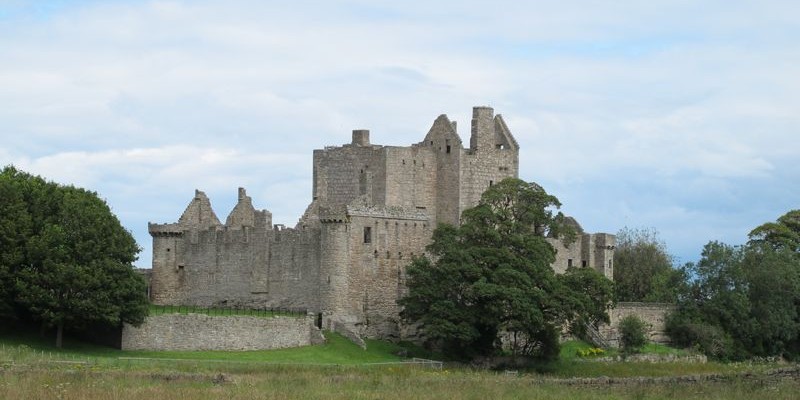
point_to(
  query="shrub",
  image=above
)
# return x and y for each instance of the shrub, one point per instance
(633, 334)
(709, 339)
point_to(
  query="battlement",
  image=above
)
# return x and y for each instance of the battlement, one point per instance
(373, 208)
(164, 229)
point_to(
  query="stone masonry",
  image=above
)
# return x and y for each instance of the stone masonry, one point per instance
(373, 208)
(652, 314)
(204, 332)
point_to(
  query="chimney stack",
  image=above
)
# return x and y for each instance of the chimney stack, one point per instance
(361, 137)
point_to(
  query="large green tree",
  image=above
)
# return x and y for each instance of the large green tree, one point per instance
(745, 300)
(491, 276)
(65, 260)
(643, 269)
(781, 234)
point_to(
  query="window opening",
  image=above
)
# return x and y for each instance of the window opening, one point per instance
(367, 234)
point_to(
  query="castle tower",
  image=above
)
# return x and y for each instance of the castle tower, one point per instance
(482, 136)
(493, 156)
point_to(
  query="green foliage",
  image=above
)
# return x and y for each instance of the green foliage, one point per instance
(632, 334)
(589, 295)
(782, 234)
(65, 259)
(744, 301)
(492, 274)
(709, 339)
(643, 269)
(591, 352)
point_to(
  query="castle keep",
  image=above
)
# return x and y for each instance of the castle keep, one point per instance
(373, 208)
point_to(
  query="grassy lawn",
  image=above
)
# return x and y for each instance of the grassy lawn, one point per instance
(31, 368)
(337, 350)
(349, 382)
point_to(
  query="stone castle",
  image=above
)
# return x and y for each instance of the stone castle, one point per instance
(374, 207)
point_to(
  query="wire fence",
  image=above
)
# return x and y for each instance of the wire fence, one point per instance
(228, 311)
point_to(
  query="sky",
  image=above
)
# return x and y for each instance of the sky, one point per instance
(681, 116)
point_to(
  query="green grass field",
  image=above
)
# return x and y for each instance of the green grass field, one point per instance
(31, 368)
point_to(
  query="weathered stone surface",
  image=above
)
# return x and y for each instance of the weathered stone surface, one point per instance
(205, 332)
(653, 314)
(373, 208)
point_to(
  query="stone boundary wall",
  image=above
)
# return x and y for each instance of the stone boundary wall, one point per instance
(653, 314)
(205, 332)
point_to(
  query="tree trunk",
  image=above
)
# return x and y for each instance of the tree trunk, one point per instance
(59, 334)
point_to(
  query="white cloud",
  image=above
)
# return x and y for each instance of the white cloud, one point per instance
(144, 101)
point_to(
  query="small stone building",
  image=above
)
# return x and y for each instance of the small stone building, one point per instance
(373, 208)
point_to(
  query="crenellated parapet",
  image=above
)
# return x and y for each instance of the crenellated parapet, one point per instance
(373, 209)
(164, 230)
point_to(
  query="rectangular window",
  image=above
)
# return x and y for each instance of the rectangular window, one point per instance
(367, 234)
(584, 263)
(448, 148)
(569, 263)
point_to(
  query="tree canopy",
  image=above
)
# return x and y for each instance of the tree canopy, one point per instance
(745, 300)
(491, 277)
(64, 257)
(643, 268)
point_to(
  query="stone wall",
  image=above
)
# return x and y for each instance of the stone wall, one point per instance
(595, 250)
(245, 263)
(250, 267)
(396, 195)
(376, 270)
(653, 314)
(204, 332)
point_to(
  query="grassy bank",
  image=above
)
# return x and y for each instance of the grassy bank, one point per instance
(31, 368)
(337, 350)
(350, 382)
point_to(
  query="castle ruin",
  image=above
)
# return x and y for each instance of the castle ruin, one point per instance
(373, 208)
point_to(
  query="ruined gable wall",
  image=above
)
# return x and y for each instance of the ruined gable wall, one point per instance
(446, 147)
(492, 157)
